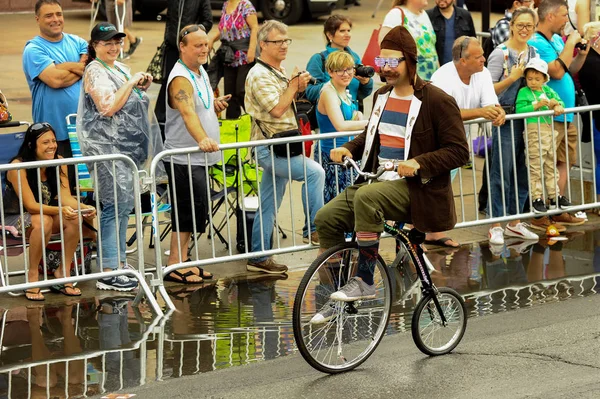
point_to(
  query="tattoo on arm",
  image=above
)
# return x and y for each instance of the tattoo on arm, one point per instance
(182, 96)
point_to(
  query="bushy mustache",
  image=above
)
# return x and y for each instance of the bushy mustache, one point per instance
(392, 75)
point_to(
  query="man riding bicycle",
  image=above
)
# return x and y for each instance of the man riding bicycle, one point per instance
(419, 128)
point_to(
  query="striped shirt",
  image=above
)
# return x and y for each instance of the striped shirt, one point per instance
(392, 132)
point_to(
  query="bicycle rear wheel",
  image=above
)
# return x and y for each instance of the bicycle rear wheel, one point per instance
(430, 336)
(345, 334)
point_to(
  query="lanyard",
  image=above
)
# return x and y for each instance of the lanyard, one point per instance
(207, 102)
(127, 77)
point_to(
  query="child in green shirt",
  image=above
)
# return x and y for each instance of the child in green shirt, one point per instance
(539, 133)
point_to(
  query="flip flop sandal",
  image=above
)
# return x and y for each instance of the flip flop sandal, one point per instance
(201, 272)
(62, 289)
(183, 277)
(203, 275)
(441, 242)
(34, 292)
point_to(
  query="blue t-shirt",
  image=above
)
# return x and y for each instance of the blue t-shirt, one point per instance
(48, 104)
(565, 87)
(448, 39)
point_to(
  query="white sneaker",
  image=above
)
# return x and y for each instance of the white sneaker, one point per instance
(496, 235)
(520, 231)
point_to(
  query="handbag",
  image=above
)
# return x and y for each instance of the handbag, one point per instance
(373, 49)
(156, 66)
(281, 150)
(5, 115)
(479, 146)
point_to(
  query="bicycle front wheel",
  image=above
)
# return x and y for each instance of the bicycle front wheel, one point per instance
(429, 334)
(335, 336)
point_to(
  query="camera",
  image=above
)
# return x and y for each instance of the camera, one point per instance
(311, 81)
(364, 71)
(581, 46)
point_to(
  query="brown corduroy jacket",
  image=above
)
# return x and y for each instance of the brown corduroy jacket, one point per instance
(438, 144)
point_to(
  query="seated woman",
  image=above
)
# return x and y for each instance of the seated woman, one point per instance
(41, 212)
(336, 112)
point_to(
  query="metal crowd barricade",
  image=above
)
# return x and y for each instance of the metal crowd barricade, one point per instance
(468, 181)
(155, 327)
(5, 274)
(239, 191)
(465, 186)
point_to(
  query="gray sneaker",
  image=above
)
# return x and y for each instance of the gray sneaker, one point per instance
(327, 312)
(355, 290)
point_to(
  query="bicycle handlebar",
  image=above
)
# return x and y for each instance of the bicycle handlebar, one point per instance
(349, 162)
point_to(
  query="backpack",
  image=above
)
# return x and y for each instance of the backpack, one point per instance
(488, 44)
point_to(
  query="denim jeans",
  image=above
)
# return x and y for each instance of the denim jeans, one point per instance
(272, 190)
(108, 232)
(502, 157)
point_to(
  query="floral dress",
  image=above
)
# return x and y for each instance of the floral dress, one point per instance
(234, 27)
(422, 31)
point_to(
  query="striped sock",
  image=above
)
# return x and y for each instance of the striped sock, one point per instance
(368, 249)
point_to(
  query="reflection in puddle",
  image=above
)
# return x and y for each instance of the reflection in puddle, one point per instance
(83, 348)
(104, 345)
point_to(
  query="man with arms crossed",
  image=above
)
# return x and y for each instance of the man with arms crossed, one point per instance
(416, 126)
(191, 121)
(53, 63)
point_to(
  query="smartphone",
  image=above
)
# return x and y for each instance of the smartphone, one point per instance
(86, 211)
(521, 58)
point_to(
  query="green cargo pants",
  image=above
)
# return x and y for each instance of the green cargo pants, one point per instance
(362, 207)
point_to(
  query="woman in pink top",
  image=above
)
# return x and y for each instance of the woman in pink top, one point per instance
(238, 29)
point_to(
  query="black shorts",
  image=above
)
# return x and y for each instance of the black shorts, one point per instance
(182, 218)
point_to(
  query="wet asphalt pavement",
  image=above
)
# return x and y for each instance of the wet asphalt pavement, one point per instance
(102, 345)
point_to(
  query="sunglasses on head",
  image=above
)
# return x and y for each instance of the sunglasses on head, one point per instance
(192, 29)
(391, 62)
(40, 128)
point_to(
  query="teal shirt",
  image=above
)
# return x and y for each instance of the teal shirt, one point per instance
(527, 97)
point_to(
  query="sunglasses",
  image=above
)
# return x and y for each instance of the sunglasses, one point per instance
(40, 128)
(191, 29)
(391, 62)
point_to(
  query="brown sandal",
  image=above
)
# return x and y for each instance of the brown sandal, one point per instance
(32, 291)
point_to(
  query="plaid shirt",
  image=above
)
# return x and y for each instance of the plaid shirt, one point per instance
(501, 32)
(264, 88)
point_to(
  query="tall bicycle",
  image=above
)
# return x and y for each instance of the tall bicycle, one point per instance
(335, 336)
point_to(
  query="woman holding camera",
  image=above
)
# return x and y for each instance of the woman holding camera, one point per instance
(42, 212)
(336, 112)
(337, 31)
(114, 118)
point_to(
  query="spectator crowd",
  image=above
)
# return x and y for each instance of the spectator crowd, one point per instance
(541, 54)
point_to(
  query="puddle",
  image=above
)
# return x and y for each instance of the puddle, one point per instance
(102, 345)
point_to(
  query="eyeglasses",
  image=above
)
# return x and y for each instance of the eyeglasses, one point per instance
(391, 62)
(279, 43)
(347, 71)
(40, 128)
(528, 27)
(112, 44)
(191, 29)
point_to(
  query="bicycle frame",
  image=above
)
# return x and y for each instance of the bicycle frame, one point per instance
(412, 242)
